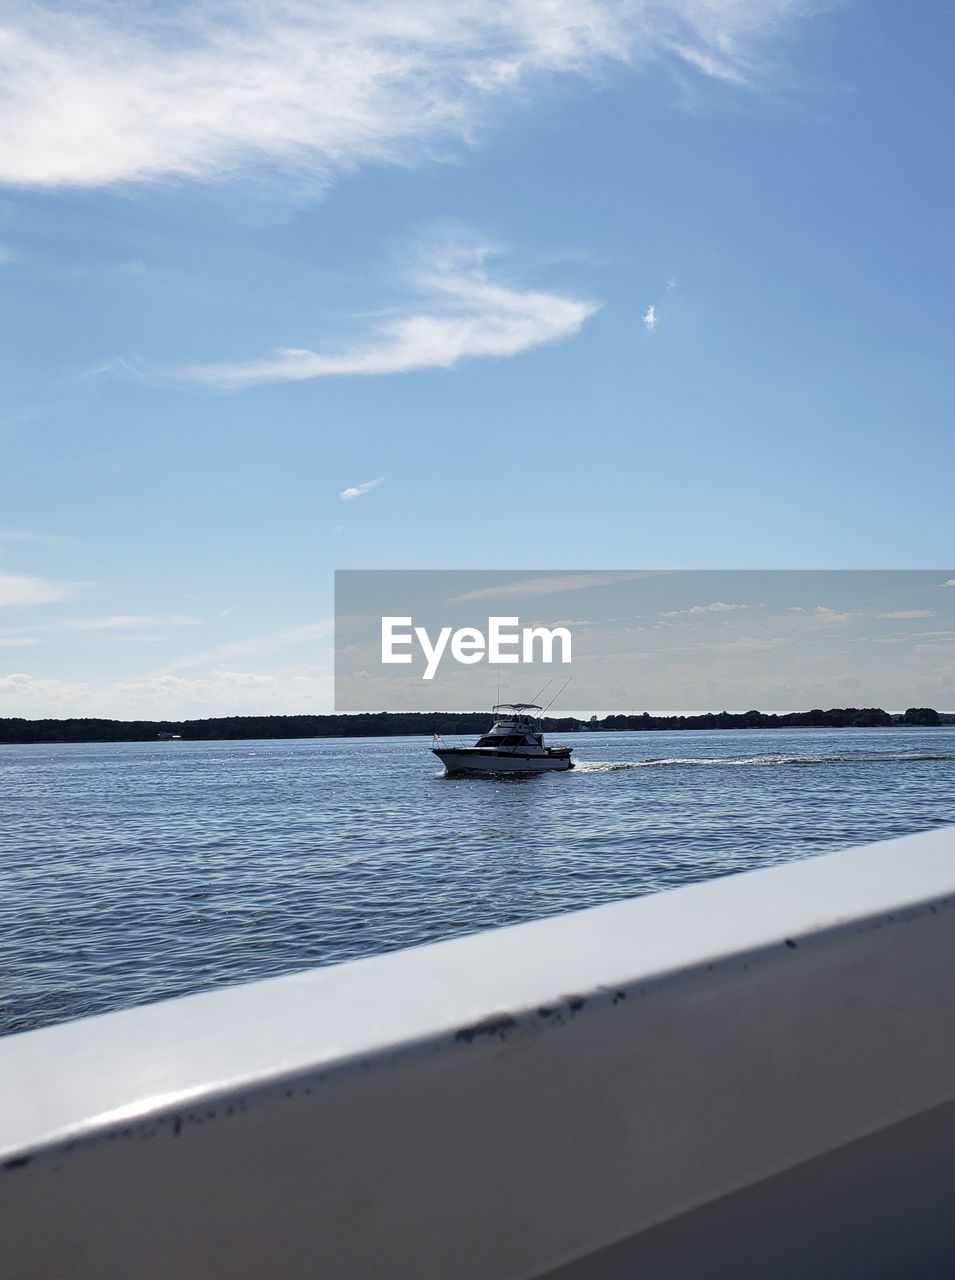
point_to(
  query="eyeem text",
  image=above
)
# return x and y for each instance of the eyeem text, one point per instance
(505, 641)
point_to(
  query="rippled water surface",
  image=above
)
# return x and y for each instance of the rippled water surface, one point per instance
(135, 871)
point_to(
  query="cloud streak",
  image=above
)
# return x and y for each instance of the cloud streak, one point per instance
(717, 606)
(358, 490)
(823, 613)
(555, 584)
(93, 95)
(120, 622)
(253, 647)
(16, 590)
(39, 539)
(465, 315)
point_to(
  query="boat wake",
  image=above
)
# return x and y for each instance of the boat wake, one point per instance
(856, 757)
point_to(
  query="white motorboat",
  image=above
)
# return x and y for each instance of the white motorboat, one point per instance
(513, 744)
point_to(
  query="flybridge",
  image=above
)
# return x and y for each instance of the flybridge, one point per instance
(504, 641)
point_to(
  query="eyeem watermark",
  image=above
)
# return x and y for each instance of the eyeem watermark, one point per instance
(504, 642)
(665, 643)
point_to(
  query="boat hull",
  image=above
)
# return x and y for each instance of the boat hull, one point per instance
(481, 760)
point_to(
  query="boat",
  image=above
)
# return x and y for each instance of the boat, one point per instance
(513, 744)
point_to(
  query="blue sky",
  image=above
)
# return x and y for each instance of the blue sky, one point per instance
(580, 283)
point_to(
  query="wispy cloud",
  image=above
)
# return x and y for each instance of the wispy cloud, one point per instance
(39, 539)
(254, 646)
(130, 366)
(749, 644)
(465, 314)
(98, 94)
(554, 584)
(649, 317)
(123, 626)
(18, 590)
(907, 613)
(824, 614)
(717, 606)
(356, 491)
(120, 622)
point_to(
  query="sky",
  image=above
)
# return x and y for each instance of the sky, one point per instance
(539, 284)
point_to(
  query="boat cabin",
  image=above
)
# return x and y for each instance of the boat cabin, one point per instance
(514, 725)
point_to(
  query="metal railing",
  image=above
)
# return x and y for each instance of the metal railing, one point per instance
(751, 1076)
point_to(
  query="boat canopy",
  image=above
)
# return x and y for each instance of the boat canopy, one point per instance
(515, 706)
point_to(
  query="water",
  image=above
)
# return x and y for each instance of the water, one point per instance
(135, 871)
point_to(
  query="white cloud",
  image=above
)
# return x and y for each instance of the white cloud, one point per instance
(825, 614)
(357, 490)
(649, 317)
(950, 582)
(907, 613)
(93, 94)
(466, 314)
(17, 590)
(718, 606)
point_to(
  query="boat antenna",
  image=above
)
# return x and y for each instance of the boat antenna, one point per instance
(556, 696)
(540, 692)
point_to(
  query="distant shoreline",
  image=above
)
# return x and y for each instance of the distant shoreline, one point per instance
(400, 724)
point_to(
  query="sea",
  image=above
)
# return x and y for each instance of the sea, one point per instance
(132, 872)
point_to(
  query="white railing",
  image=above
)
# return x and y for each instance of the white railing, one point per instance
(749, 1077)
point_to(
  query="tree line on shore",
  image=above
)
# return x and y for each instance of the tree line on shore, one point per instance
(392, 724)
